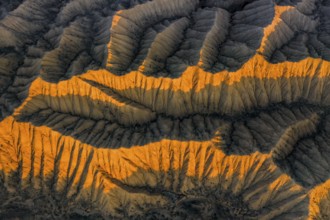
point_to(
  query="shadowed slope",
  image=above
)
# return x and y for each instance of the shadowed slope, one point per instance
(184, 178)
(204, 108)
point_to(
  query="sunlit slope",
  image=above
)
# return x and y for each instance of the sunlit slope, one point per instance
(166, 108)
(175, 174)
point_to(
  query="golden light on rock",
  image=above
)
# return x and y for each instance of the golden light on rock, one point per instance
(164, 109)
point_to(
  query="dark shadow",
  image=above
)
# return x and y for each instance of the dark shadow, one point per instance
(23, 62)
(260, 129)
(20, 63)
(107, 132)
(50, 195)
(158, 194)
(240, 44)
(173, 193)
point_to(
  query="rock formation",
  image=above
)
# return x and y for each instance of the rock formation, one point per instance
(165, 109)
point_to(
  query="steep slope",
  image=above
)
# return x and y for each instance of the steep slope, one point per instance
(136, 109)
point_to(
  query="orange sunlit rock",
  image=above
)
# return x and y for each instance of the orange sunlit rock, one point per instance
(164, 109)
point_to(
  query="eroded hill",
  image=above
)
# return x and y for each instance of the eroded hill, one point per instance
(165, 109)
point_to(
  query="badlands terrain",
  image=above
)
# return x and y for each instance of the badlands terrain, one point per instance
(165, 109)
